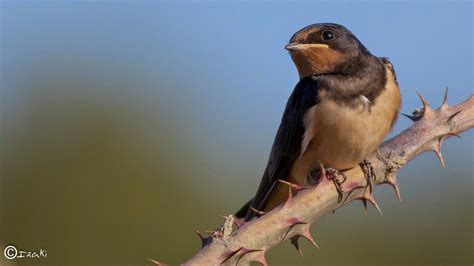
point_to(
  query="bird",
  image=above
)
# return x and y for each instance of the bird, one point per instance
(345, 102)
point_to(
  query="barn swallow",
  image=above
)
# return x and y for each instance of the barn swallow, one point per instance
(343, 106)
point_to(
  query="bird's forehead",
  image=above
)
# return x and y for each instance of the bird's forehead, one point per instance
(304, 32)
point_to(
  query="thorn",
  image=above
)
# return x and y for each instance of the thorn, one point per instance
(157, 263)
(307, 235)
(374, 203)
(438, 153)
(392, 181)
(257, 211)
(364, 201)
(447, 135)
(289, 200)
(322, 170)
(423, 100)
(437, 148)
(390, 178)
(204, 240)
(453, 115)
(397, 192)
(352, 190)
(231, 254)
(294, 242)
(261, 259)
(244, 252)
(427, 111)
(369, 198)
(411, 117)
(293, 222)
(444, 105)
(292, 185)
(199, 234)
(452, 134)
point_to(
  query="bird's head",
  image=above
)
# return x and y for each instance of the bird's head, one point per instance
(325, 48)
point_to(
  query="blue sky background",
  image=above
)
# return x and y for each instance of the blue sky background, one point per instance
(186, 98)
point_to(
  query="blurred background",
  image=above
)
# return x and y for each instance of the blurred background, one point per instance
(125, 126)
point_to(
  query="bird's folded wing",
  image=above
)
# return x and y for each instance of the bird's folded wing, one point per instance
(287, 144)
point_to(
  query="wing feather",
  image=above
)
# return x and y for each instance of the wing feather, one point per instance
(287, 144)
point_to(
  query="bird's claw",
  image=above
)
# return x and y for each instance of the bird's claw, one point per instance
(331, 174)
(314, 178)
(369, 173)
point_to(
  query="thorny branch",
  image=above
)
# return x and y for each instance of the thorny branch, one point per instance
(291, 220)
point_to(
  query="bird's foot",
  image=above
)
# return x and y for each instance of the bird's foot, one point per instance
(314, 178)
(332, 174)
(369, 173)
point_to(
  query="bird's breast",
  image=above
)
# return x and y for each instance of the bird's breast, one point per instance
(340, 135)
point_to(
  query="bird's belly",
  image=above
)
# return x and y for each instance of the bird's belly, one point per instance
(340, 137)
(345, 139)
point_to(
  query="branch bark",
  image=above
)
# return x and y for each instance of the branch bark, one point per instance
(292, 220)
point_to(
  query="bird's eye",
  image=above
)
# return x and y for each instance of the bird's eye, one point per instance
(328, 35)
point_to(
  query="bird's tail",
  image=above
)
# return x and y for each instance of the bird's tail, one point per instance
(242, 213)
